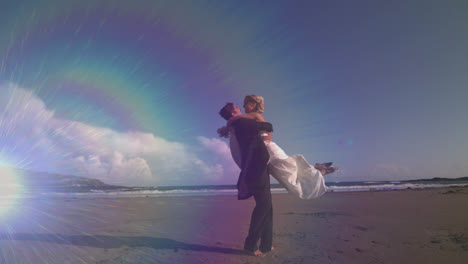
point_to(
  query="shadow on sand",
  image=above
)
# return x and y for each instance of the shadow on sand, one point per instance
(108, 242)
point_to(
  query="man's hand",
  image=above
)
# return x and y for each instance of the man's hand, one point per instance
(268, 137)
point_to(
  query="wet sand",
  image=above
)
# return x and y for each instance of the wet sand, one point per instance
(408, 226)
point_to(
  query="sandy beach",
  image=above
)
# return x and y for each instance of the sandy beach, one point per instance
(408, 226)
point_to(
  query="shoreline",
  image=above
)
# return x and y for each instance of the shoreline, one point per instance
(196, 193)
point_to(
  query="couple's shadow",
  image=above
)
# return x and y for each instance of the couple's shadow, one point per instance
(109, 242)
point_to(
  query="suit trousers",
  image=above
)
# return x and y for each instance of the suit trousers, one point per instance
(261, 222)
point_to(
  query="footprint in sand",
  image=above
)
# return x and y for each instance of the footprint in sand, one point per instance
(460, 240)
(361, 228)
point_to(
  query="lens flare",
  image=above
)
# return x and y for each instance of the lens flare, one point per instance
(10, 188)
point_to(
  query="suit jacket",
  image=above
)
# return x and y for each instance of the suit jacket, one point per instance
(254, 175)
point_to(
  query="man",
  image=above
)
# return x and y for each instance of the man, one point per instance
(253, 180)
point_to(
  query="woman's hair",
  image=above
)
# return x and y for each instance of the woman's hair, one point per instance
(258, 100)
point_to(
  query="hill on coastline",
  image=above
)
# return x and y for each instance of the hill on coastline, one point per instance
(33, 181)
(436, 179)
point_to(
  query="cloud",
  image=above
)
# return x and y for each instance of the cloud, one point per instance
(216, 145)
(222, 154)
(32, 137)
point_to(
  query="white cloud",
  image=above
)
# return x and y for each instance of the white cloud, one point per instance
(216, 145)
(222, 154)
(32, 137)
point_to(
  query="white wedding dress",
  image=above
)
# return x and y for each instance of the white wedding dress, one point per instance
(294, 173)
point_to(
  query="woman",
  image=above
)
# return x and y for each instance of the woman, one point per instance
(293, 172)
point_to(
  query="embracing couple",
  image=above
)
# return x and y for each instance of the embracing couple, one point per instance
(258, 157)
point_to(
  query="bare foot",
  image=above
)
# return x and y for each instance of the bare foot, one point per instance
(331, 169)
(323, 166)
(258, 253)
(328, 170)
(320, 166)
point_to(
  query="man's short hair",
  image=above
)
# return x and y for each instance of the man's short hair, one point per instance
(226, 111)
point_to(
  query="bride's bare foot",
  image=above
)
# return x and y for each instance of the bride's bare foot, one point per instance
(329, 170)
(320, 166)
(323, 166)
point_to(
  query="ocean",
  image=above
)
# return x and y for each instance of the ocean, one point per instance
(231, 189)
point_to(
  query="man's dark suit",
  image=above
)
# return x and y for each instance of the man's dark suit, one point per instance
(254, 181)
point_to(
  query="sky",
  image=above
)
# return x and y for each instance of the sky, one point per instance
(128, 92)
